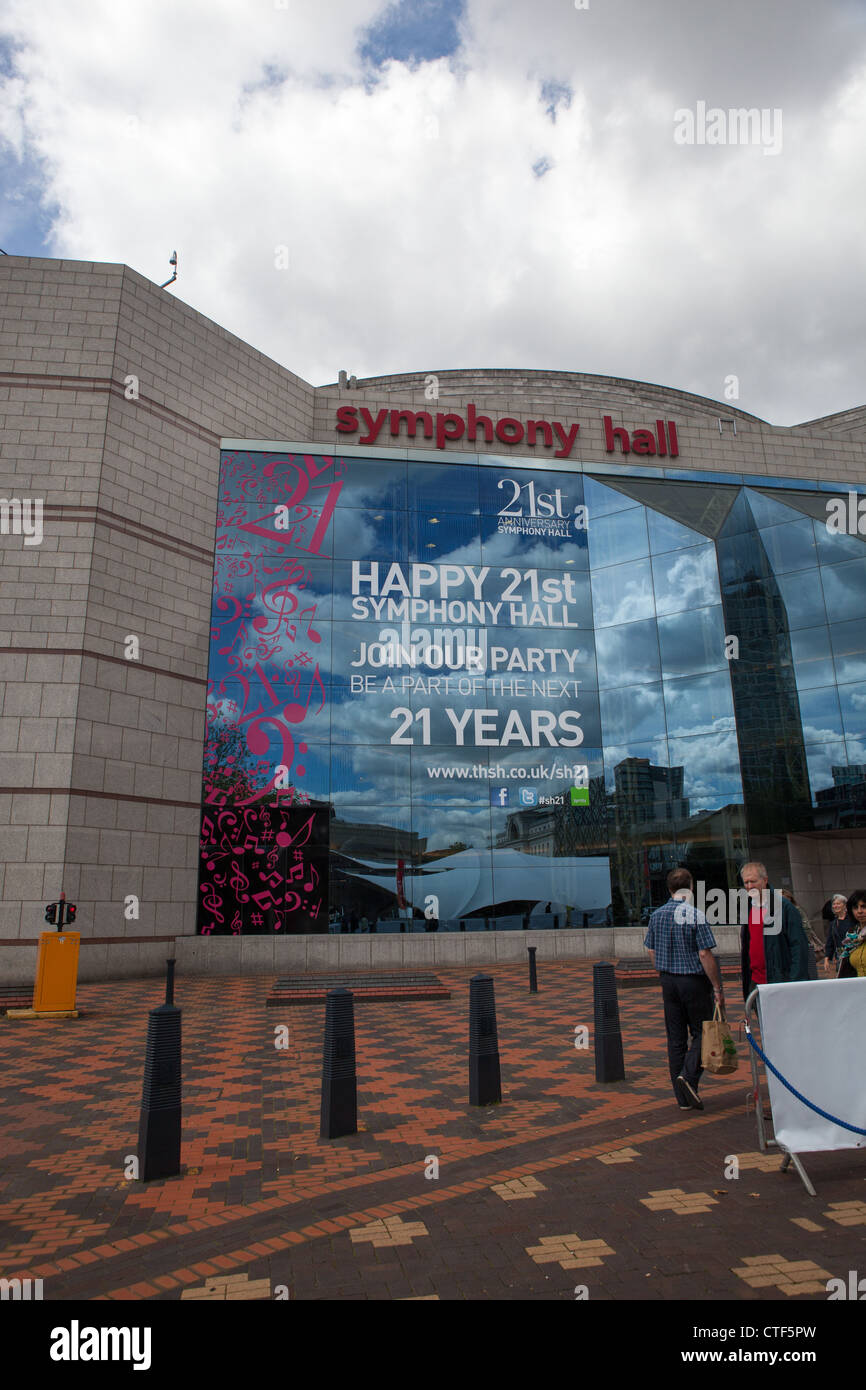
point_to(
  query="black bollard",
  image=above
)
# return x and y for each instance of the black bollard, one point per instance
(533, 978)
(485, 1086)
(160, 1119)
(609, 1064)
(339, 1113)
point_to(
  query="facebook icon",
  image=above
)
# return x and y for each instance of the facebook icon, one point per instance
(498, 796)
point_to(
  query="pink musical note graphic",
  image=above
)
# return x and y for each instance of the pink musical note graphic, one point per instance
(239, 882)
(297, 712)
(211, 902)
(300, 837)
(263, 636)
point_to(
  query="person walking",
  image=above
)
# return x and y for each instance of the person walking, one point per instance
(813, 944)
(839, 925)
(773, 951)
(681, 947)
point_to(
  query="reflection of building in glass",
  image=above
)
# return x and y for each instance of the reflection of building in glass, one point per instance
(585, 829)
(842, 806)
(364, 840)
(769, 729)
(532, 831)
(647, 793)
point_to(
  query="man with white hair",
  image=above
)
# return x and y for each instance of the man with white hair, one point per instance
(774, 946)
(837, 929)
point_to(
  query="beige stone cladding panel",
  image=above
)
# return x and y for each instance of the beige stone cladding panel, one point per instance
(160, 473)
(58, 316)
(154, 593)
(32, 852)
(190, 365)
(132, 866)
(140, 732)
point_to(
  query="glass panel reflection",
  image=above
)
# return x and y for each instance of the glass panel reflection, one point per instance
(790, 547)
(825, 762)
(443, 488)
(635, 713)
(803, 599)
(819, 711)
(813, 662)
(382, 534)
(844, 588)
(627, 655)
(444, 736)
(699, 705)
(711, 767)
(691, 643)
(848, 641)
(617, 538)
(852, 699)
(600, 499)
(685, 580)
(622, 593)
(666, 534)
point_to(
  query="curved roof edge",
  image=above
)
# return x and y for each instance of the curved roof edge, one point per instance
(534, 383)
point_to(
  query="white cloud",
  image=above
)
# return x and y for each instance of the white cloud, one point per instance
(418, 234)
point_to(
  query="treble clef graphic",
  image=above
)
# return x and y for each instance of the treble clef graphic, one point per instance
(239, 882)
(211, 902)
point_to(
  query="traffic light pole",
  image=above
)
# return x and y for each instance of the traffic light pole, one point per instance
(54, 913)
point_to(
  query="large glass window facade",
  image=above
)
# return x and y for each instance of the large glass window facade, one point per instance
(476, 694)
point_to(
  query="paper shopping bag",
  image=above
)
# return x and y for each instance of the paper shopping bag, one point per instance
(718, 1049)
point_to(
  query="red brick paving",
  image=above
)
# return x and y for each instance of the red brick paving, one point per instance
(262, 1194)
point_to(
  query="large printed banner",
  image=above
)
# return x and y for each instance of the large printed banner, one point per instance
(401, 669)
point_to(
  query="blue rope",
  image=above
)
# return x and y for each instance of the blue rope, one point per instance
(794, 1092)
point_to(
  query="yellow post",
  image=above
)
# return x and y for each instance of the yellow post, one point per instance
(56, 972)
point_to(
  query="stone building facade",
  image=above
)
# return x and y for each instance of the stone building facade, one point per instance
(116, 400)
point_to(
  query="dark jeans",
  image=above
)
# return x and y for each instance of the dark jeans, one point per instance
(688, 1000)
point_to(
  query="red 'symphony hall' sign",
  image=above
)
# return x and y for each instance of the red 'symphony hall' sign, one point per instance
(447, 427)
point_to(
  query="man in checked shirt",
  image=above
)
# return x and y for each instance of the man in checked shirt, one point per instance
(680, 943)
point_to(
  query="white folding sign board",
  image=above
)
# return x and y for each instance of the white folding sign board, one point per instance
(814, 1033)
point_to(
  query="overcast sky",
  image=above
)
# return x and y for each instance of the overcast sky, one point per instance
(436, 184)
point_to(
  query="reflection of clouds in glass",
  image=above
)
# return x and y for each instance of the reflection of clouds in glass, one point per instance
(471, 827)
(627, 655)
(692, 643)
(813, 734)
(616, 753)
(686, 580)
(711, 765)
(701, 705)
(622, 594)
(820, 763)
(638, 712)
(505, 548)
